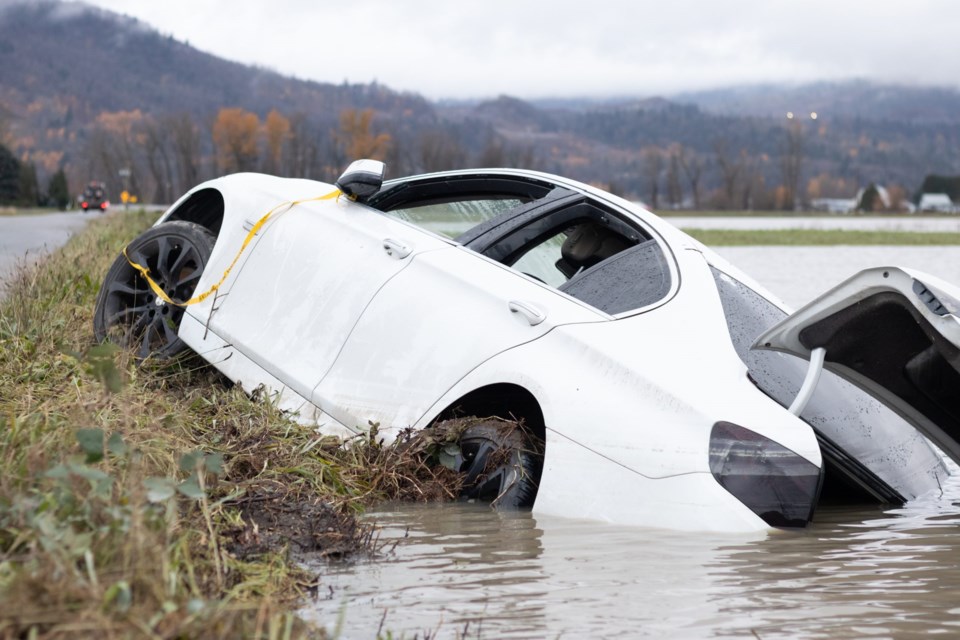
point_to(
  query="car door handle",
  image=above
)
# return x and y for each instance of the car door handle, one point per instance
(532, 314)
(396, 249)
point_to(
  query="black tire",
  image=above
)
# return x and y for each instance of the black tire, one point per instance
(129, 313)
(501, 464)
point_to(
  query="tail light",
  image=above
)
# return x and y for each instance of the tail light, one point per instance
(774, 482)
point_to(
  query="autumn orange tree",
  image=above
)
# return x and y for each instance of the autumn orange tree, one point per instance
(276, 132)
(356, 138)
(235, 133)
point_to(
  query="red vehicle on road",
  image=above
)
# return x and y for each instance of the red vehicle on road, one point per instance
(94, 197)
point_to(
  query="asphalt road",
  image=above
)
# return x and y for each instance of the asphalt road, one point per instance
(23, 239)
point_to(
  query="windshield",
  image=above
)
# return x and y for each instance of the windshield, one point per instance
(452, 219)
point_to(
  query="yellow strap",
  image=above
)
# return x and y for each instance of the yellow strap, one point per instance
(200, 298)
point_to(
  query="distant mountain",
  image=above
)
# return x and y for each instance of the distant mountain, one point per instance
(73, 76)
(63, 66)
(514, 114)
(97, 60)
(851, 99)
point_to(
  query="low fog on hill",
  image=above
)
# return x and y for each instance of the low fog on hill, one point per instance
(95, 93)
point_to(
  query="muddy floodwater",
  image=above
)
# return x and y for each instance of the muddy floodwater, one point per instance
(462, 570)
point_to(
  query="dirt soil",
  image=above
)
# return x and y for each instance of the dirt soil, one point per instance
(276, 520)
(276, 515)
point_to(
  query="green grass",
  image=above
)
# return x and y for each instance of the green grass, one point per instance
(158, 500)
(821, 237)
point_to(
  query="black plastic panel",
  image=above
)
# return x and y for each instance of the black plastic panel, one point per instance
(440, 189)
(631, 279)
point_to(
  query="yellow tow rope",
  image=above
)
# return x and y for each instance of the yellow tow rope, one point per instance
(262, 221)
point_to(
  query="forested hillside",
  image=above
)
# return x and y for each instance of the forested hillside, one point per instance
(96, 94)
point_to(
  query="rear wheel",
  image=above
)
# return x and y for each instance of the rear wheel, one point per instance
(501, 464)
(129, 313)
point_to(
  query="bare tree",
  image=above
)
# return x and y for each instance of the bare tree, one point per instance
(497, 153)
(692, 166)
(158, 157)
(116, 143)
(791, 160)
(674, 188)
(440, 151)
(731, 168)
(652, 167)
(751, 181)
(302, 159)
(186, 149)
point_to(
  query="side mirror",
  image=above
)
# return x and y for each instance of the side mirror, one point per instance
(362, 178)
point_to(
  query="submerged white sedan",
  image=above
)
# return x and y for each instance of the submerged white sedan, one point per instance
(657, 384)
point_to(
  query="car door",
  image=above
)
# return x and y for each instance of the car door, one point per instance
(312, 272)
(439, 318)
(894, 333)
(451, 310)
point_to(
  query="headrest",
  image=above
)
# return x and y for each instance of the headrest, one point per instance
(582, 243)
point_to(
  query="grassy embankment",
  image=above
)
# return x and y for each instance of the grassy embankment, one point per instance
(158, 501)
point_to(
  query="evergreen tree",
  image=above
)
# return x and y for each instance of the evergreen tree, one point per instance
(870, 200)
(58, 191)
(949, 185)
(9, 177)
(29, 187)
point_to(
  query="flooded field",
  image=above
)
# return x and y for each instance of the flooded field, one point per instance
(463, 570)
(798, 274)
(847, 222)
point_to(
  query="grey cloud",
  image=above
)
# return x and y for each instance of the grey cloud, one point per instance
(566, 47)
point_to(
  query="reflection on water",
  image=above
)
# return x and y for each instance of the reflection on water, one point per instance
(853, 573)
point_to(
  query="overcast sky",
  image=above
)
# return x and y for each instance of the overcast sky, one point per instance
(562, 48)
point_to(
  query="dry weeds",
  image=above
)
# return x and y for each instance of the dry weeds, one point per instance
(158, 501)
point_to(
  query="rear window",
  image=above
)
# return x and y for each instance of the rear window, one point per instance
(631, 279)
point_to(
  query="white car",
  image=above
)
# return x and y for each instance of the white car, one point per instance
(625, 347)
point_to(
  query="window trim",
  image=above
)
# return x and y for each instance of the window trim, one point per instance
(516, 183)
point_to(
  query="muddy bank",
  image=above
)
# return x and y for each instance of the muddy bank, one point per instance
(420, 466)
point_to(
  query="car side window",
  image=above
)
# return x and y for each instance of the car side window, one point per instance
(590, 255)
(540, 261)
(551, 233)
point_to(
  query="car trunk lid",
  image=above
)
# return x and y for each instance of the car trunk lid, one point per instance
(893, 332)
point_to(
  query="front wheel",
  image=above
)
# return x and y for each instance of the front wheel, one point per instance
(501, 464)
(129, 313)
